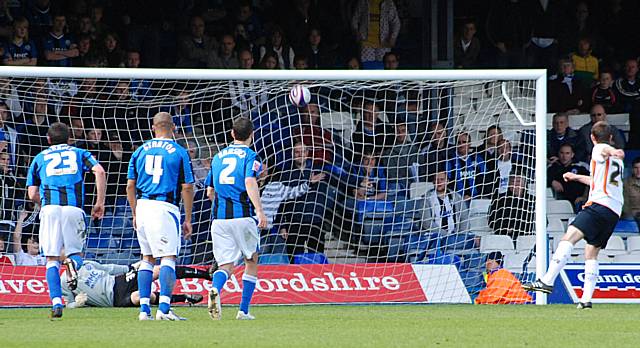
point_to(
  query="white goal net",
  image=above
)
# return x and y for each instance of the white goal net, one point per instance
(421, 168)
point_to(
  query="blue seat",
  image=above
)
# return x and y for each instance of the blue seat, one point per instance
(626, 226)
(273, 259)
(129, 244)
(310, 258)
(99, 242)
(397, 250)
(443, 259)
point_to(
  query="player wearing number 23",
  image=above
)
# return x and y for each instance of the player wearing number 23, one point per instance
(56, 182)
(159, 176)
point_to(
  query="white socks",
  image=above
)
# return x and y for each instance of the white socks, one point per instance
(559, 259)
(590, 279)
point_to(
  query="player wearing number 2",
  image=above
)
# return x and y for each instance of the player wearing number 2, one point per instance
(233, 187)
(56, 182)
(594, 223)
(159, 174)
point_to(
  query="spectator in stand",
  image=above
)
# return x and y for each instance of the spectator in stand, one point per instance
(318, 55)
(199, 165)
(140, 90)
(466, 49)
(509, 31)
(32, 257)
(84, 50)
(376, 28)
(85, 27)
(76, 126)
(466, 168)
(391, 61)
(34, 133)
(631, 209)
(116, 167)
(572, 191)
(560, 134)
(242, 38)
(97, 19)
(604, 94)
(512, 213)
(20, 50)
(437, 152)
(6, 18)
(228, 58)
(250, 21)
(245, 57)
(9, 135)
(544, 18)
(317, 140)
(371, 131)
(446, 212)
(299, 16)
(7, 193)
(598, 114)
(112, 51)
(580, 25)
(39, 15)
(354, 64)
(59, 47)
(402, 158)
(300, 62)
(181, 113)
(489, 152)
(372, 181)
(628, 88)
(586, 65)
(197, 50)
(496, 181)
(269, 61)
(277, 43)
(566, 92)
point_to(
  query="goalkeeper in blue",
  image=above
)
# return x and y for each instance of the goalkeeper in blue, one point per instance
(237, 216)
(56, 182)
(159, 176)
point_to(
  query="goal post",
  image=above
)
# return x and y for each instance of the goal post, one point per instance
(465, 101)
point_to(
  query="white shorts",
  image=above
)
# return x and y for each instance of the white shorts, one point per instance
(158, 228)
(233, 238)
(61, 226)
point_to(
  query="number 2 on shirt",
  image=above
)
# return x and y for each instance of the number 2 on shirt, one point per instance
(153, 167)
(225, 174)
(55, 159)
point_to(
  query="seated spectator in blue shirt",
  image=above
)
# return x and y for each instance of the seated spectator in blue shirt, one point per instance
(465, 167)
(436, 153)
(20, 50)
(561, 134)
(59, 48)
(181, 113)
(371, 131)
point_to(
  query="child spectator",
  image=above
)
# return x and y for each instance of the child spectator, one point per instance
(112, 51)
(604, 94)
(277, 43)
(586, 65)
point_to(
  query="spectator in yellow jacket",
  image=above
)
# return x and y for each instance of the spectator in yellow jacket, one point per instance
(586, 65)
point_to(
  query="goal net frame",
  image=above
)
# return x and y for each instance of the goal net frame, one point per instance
(539, 76)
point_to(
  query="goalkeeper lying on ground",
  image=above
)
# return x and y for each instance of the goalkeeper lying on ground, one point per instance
(112, 285)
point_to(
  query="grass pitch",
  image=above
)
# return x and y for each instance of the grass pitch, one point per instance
(331, 326)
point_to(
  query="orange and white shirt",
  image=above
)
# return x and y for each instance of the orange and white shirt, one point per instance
(606, 180)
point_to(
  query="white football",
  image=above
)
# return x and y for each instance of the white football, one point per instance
(300, 96)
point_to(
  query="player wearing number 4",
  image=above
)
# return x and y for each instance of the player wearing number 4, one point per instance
(56, 182)
(159, 174)
(594, 223)
(233, 187)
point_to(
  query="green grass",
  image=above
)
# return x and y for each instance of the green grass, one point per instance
(332, 326)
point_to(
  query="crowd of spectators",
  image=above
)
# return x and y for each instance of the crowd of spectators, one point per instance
(389, 148)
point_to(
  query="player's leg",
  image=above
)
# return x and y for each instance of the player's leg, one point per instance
(248, 240)
(249, 280)
(145, 279)
(167, 279)
(191, 299)
(73, 229)
(226, 253)
(185, 272)
(591, 270)
(51, 243)
(560, 258)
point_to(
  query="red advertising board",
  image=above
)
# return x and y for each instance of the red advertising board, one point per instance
(288, 284)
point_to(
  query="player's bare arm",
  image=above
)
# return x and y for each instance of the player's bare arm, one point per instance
(610, 151)
(210, 192)
(254, 195)
(187, 199)
(34, 194)
(131, 197)
(583, 179)
(101, 189)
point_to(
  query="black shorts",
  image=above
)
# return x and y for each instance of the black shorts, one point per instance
(597, 223)
(124, 286)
